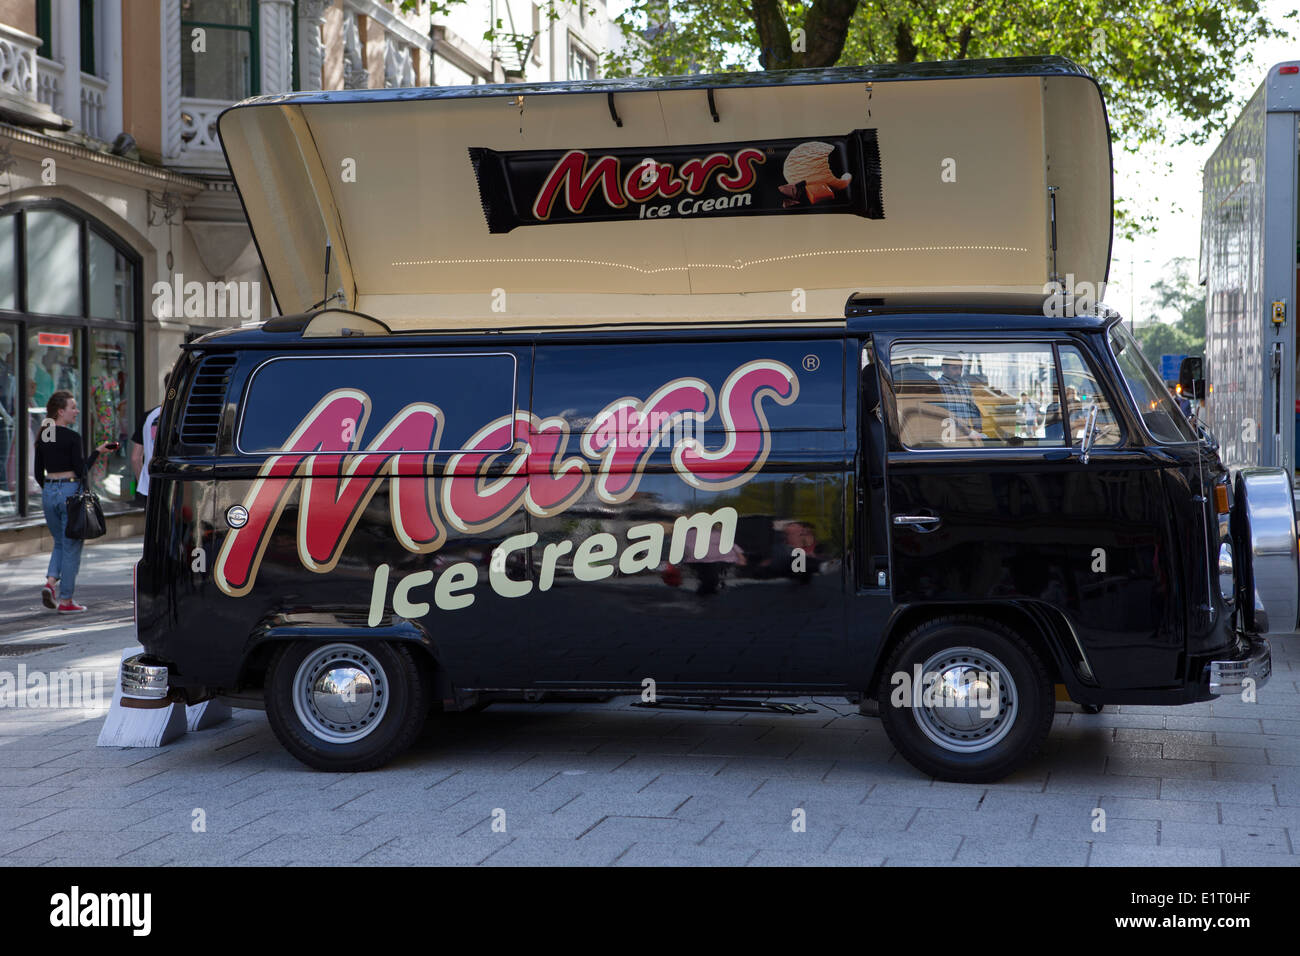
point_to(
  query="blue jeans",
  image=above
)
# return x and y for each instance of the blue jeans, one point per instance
(66, 559)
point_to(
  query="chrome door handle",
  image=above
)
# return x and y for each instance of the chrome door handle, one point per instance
(916, 519)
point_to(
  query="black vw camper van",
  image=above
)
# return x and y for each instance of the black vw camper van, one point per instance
(841, 421)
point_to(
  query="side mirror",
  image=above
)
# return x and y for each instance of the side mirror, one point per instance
(1089, 434)
(1191, 376)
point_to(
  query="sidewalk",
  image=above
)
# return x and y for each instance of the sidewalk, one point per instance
(103, 585)
(1209, 784)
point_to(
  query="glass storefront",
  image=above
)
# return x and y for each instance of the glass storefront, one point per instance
(110, 412)
(69, 320)
(11, 417)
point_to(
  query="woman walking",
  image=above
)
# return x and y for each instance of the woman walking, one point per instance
(60, 470)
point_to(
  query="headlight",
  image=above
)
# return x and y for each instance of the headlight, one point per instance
(1227, 581)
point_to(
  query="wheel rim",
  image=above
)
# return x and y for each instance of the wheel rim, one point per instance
(340, 693)
(966, 700)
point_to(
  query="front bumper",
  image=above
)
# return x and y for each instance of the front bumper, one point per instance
(1253, 661)
(141, 679)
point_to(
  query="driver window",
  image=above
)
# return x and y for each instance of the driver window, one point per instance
(1081, 390)
(976, 395)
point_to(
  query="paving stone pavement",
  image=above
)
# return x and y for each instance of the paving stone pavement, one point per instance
(604, 784)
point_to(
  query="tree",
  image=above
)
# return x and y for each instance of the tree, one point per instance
(1175, 291)
(1165, 66)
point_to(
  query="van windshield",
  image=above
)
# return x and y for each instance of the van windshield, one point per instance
(1163, 419)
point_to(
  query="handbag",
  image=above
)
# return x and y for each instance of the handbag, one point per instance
(85, 517)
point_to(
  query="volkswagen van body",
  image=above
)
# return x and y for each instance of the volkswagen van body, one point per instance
(706, 386)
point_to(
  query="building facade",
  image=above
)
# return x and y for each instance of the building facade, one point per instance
(121, 234)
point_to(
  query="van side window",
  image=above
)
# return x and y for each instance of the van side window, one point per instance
(286, 393)
(1081, 390)
(976, 395)
(576, 382)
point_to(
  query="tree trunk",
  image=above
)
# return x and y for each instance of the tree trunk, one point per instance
(903, 44)
(826, 27)
(774, 51)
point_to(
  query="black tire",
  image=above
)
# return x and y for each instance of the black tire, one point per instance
(994, 746)
(387, 729)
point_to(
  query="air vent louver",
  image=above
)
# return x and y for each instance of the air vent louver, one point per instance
(202, 415)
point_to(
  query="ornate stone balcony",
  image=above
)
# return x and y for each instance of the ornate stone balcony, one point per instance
(20, 84)
(94, 93)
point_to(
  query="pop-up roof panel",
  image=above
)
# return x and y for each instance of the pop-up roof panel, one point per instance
(715, 198)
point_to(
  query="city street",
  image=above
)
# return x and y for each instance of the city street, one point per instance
(609, 784)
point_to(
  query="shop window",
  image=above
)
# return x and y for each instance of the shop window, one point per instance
(53, 255)
(110, 411)
(53, 364)
(10, 420)
(225, 66)
(111, 281)
(8, 263)
(69, 297)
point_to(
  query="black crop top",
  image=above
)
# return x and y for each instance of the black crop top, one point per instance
(62, 454)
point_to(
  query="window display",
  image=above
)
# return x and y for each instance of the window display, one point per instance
(53, 364)
(110, 410)
(9, 417)
(69, 320)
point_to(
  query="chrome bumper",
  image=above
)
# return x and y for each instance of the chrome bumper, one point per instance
(143, 680)
(1228, 677)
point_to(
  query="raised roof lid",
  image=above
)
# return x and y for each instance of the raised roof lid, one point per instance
(716, 197)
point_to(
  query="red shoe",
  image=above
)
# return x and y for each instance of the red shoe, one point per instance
(69, 606)
(47, 597)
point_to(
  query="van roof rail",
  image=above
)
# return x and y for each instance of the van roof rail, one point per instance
(327, 323)
(1013, 303)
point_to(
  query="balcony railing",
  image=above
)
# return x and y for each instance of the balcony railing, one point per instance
(93, 92)
(17, 62)
(49, 83)
(199, 127)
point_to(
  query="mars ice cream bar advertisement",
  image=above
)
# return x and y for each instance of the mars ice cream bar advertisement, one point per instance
(827, 174)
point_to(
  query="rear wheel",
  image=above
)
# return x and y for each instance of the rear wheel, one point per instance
(966, 699)
(345, 707)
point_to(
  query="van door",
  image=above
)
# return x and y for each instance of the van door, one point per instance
(872, 604)
(707, 548)
(989, 502)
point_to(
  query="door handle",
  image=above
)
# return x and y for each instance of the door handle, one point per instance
(916, 519)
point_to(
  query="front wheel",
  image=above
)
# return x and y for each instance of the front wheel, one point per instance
(345, 707)
(966, 699)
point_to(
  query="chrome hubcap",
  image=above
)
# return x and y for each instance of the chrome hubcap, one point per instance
(340, 693)
(966, 701)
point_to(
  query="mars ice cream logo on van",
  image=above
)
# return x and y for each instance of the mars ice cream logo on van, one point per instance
(824, 174)
(542, 475)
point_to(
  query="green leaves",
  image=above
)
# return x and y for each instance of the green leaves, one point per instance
(1165, 66)
(1177, 290)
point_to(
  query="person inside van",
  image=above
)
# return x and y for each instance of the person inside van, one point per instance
(959, 400)
(142, 443)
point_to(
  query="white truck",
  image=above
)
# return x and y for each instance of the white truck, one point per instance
(1248, 264)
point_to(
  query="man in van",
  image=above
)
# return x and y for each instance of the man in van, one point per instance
(958, 399)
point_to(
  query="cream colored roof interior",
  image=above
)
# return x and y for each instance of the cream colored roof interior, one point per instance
(412, 248)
